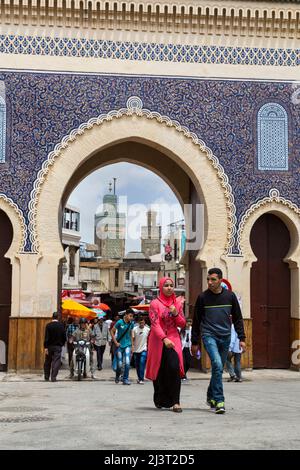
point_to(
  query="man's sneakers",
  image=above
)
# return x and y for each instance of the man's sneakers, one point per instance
(220, 408)
(126, 382)
(211, 403)
(232, 378)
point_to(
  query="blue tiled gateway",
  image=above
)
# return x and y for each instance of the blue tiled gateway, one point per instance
(212, 91)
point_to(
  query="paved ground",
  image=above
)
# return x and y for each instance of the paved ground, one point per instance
(262, 413)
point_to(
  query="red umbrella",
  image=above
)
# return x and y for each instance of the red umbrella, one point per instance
(102, 306)
(141, 307)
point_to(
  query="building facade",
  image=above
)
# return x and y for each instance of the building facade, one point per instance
(71, 242)
(140, 272)
(203, 93)
(110, 225)
(151, 235)
(97, 274)
(174, 256)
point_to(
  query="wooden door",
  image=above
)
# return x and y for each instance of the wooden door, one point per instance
(6, 235)
(270, 293)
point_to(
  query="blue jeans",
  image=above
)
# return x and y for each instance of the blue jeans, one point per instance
(236, 371)
(123, 355)
(140, 364)
(217, 349)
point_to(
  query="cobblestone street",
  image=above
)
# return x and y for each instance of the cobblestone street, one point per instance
(261, 413)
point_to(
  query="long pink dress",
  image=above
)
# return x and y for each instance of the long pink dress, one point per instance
(163, 325)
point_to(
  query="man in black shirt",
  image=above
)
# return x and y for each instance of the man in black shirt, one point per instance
(55, 338)
(214, 310)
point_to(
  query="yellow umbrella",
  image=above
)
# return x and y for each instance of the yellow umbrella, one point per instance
(74, 309)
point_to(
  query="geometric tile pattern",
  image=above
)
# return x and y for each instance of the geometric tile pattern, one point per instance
(43, 107)
(273, 140)
(2, 129)
(2, 122)
(158, 52)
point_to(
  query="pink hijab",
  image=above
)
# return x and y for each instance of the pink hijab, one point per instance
(166, 301)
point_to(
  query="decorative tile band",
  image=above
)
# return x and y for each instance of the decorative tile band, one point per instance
(103, 49)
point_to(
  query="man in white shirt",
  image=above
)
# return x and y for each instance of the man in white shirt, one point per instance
(100, 331)
(186, 342)
(140, 335)
(235, 352)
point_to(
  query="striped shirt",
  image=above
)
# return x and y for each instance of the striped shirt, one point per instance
(214, 314)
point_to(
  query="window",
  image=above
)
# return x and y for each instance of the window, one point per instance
(2, 127)
(71, 262)
(127, 275)
(272, 131)
(116, 277)
(66, 219)
(75, 221)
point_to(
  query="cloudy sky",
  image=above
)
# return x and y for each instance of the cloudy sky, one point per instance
(137, 188)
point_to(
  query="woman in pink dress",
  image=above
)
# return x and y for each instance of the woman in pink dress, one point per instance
(164, 361)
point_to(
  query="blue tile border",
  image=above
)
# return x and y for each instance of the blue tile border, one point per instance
(150, 52)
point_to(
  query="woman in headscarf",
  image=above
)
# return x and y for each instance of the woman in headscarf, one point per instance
(165, 362)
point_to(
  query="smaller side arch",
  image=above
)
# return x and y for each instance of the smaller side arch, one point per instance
(289, 214)
(285, 209)
(19, 226)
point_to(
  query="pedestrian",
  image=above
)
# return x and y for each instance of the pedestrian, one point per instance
(54, 340)
(123, 344)
(140, 336)
(86, 334)
(212, 322)
(110, 341)
(165, 362)
(186, 342)
(100, 331)
(70, 330)
(235, 353)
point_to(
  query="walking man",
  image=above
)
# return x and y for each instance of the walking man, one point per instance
(140, 335)
(123, 343)
(100, 331)
(213, 323)
(186, 342)
(235, 353)
(55, 338)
